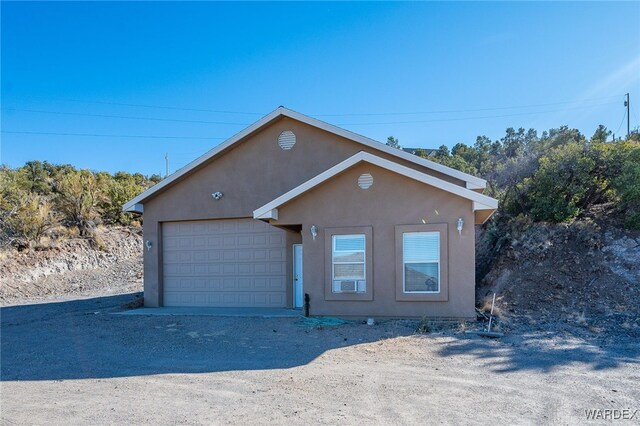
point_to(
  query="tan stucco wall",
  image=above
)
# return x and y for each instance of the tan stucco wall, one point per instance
(250, 174)
(392, 200)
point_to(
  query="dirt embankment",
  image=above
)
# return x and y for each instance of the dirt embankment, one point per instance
(582, 278)
(74, 266)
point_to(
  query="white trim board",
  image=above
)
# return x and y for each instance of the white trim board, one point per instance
(480, 201)
(471, 182)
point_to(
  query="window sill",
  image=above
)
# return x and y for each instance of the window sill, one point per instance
(368, 296)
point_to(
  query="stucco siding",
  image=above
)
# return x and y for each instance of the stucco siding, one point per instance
(391, 200)
(250, 174)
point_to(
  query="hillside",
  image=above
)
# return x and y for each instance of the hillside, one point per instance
(581, 278)
(74, 266)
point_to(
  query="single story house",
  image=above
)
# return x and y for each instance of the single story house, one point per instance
(292, 205)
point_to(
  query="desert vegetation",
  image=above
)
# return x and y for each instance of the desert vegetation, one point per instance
(555, 177)
(42, 200)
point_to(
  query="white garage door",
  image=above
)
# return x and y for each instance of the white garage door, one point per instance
(224, 263)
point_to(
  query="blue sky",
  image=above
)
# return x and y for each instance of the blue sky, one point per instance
(427, 73)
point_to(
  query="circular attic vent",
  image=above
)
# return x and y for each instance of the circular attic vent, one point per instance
(365, 181)
(286, 140)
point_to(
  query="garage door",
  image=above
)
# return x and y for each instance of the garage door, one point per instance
(224, 263)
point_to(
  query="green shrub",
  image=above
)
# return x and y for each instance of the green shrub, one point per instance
(30, 220)
(79, 194)
(627, 185)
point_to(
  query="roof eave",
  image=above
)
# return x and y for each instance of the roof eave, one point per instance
(471, 182)
(480, 201)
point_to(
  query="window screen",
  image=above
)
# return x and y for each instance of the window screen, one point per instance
(348, 263)
(421, 262)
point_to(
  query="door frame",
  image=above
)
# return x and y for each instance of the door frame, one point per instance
(297, 266)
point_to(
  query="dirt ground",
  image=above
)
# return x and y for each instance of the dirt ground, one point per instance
(78, 362)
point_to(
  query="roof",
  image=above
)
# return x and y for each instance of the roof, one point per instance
(480, 201)
(428, 151)
(136, 204)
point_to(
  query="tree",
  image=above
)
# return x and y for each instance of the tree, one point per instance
(627, 182)
(568, 180)
(79, 195)
(442, 152)
(30, 220)
(601, 135)
(514, 142)
(121, 188)
(35, 177)
(393, 142)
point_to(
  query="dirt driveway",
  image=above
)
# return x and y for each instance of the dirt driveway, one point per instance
(75, 362)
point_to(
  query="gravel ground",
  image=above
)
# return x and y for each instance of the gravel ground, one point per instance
(76, 362)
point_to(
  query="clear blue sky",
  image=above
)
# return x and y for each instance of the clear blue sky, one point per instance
(319, 59)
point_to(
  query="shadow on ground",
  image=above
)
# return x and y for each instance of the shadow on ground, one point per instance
(540, 352)
(82, 339)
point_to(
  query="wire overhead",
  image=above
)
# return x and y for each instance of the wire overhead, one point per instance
(437, 120)
(123, 116)
(161, 107)
(464, 110)
(108, 135)
(341, 124)
(364, 114)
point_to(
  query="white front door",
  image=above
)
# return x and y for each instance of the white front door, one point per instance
(297, 276)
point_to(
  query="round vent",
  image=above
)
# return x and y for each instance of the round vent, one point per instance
(365, 181)
(286, 140)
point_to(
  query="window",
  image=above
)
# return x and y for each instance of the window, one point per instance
(421, 262)
(348, 265)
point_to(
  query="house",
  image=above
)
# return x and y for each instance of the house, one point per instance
(423, 152)
(292, 205)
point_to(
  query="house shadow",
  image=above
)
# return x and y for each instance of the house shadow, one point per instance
(83, 339)
(542, 352)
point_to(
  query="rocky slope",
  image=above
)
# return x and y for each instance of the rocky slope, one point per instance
(582, 278)
(74, 266)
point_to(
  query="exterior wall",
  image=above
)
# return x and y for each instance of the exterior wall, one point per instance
(250, 174)
(392, 200)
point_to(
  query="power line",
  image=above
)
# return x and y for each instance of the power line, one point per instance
(624, 115)
(465, 110)
(342, 124)
(473, 118)
(334, 114)
(122, 116)
(160, 107)
(627, 104)
(108, 135)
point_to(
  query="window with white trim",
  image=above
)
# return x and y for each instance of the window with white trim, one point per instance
(421, 262)
(348, 264)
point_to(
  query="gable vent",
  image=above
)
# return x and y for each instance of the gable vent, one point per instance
(365, 181)
(286, 140)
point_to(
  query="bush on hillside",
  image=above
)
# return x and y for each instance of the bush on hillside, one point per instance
(38, 196)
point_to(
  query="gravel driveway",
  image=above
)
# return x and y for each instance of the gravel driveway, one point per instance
(75, 362)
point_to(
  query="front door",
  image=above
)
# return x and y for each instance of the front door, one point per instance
(297, 276)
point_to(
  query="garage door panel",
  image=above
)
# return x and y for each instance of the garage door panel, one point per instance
(225, 299)
(224, 263)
